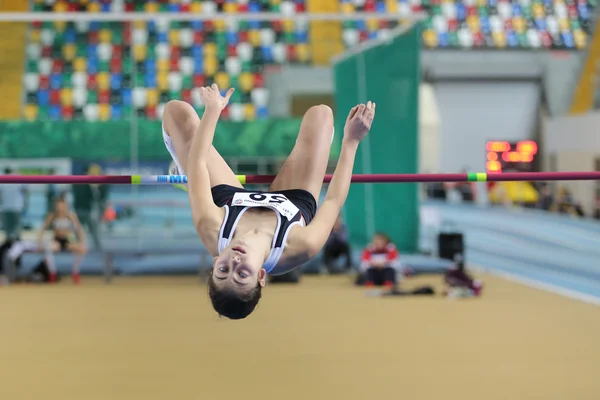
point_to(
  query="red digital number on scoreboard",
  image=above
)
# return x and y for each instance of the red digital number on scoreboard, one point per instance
(504, 155)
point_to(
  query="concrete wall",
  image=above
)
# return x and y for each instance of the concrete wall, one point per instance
(295, 80)
(558, 70)
(572, 143)
(473, 113)
(429, 130)
(572, 133)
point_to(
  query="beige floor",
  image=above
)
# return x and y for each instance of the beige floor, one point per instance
(157, 338)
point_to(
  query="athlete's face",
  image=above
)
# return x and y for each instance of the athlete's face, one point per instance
(239, 268)
(379, 242)
(61, 206)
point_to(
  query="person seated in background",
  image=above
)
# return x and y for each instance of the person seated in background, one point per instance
(10, 262)
(566, 203)
(337, 246)
(465, 190)
(546, 200)
(64, 223)
(435, 190)
(380, 262)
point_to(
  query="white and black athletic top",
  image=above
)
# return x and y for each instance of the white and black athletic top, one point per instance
(288, 215)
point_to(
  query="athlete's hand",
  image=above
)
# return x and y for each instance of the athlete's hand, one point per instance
(211, 97)
(359, 122)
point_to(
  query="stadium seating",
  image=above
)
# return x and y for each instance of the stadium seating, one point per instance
(525, 24)
(106, 71)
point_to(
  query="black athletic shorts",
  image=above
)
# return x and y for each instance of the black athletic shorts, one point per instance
(63, 242)
(301, 198)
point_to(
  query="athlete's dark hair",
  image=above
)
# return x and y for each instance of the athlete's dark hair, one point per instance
(384, 237)
(230, 304)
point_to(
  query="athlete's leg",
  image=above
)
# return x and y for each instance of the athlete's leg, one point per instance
(54, 246)
(180, 123)
(78, 250)
(49, 258)
(49, 248)
(306, 164)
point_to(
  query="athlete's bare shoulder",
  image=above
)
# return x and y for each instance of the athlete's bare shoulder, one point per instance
(72, 216)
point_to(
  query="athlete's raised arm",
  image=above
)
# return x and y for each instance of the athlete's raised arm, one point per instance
(357, 126)
(201, 202)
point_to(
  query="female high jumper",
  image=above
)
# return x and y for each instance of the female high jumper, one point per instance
(253, 233)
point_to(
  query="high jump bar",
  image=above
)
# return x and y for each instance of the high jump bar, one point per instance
(262, 179)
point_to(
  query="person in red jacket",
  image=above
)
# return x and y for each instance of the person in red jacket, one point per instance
(380, 261)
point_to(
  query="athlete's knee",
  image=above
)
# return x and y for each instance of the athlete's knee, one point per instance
(318, 124)
(181, 116)
(321, 112)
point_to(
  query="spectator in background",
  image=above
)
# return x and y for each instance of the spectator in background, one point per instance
(89, 203)
(14, 202)
(51, 193)
(465, 189)
(380, 262)
(109, 216)
(67, 237)
(566, 203)
(337, 246)
(546, 200)
(435, 190)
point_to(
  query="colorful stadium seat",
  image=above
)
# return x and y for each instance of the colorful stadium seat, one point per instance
(106, 70)
(515, 24)
(110, 67)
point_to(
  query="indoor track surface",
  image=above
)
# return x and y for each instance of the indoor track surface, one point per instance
(158, 338)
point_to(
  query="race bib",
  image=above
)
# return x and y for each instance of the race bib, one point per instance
(270, 200)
